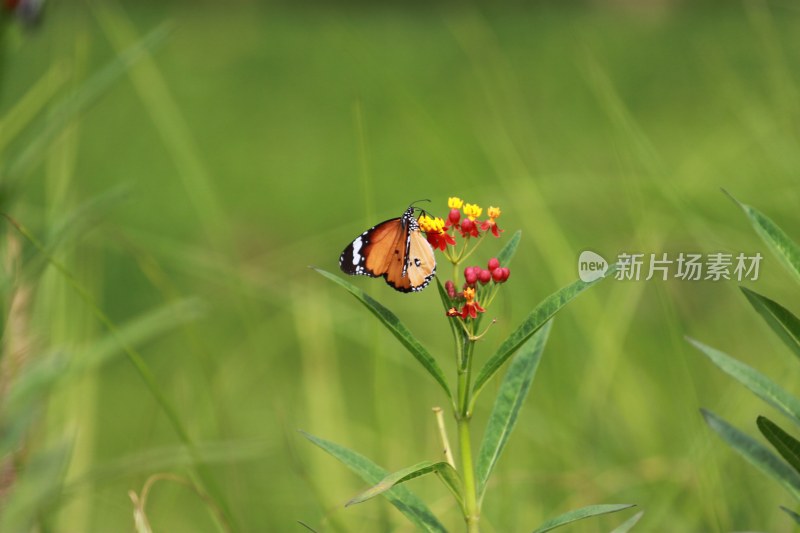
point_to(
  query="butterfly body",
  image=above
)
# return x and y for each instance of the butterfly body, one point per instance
(396, 250)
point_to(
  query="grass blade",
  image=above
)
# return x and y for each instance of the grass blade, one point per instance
(787, 446)
(204, 479)
(780, 319)
(87, 215)
(68, 229)
(44, 373)
(510, 398)
(795, 516)
(403, 499)
(169, 458)
(510, 249)
(133, 355)
(758, 383)
(580, 514)
(79, 101)
(535, 320)
(446, 472)
(31, 104)
(756, 453)
(628, 524)
(396, 327)
(780, 243)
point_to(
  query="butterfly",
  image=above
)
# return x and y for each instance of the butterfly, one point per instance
(395, 249)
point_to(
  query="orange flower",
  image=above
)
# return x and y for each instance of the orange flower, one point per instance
(471, 307)
(493, 213)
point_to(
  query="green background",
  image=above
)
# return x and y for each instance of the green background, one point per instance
(257, 139)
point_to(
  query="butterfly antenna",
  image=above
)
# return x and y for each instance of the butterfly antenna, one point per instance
(418, 208)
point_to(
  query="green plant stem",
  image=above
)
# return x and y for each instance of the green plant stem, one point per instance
(463, 416)
(472, 514)
(464, 256)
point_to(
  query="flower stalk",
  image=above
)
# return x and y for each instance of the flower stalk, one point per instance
(466, 307)
(472, 513)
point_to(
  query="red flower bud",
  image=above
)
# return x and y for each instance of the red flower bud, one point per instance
(485, 276)
(454, 216)
(467, 226)
(497, 275)
(471, 275)
(506, 273)
(450, 287)
(493, 263)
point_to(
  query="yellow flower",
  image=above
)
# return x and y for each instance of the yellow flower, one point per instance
(431, 224)
(454, 202)
(469, 294)
(473, 211)
(493, 212)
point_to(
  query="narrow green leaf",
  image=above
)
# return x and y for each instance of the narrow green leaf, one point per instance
(510, 398)
(66, 231)
(403, 499)
(395, 478)
(535, 320)
(780, 319)
(452, 480)
(756, 453)
(87, 215)
(758, 383)
(780, 243)
(446, 473)
(580, 514)
(42, 374)
(396, 327)
(307, 526)
(787, 446)
(628, 524)
(31, 103)
(510, 249)
(795, 516)
(443, 294)
(169, 458)
(77, 102)
(204, 480)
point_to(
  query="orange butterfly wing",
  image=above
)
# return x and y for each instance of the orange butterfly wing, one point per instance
(370, 253)
(386, 248)
(420, 265)
(394, 249)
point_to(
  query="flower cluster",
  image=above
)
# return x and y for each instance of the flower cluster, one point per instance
(478, 282)
(458, 236)
(441, 233)
(471, 226)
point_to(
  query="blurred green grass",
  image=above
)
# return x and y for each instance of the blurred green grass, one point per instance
(592, 126)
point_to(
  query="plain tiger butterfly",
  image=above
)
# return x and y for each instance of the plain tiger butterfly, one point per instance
(396, 250)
